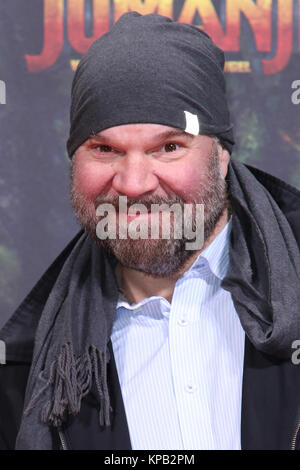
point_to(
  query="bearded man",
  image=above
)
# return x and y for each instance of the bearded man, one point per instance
(140, 343)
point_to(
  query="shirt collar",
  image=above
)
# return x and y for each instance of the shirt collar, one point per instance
(216, 254)
(215, 258)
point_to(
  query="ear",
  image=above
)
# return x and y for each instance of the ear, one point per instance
(224, 157)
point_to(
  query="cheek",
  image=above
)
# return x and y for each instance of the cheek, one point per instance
(90, 179)
(186, 180)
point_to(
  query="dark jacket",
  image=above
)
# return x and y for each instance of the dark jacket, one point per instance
(270, 389)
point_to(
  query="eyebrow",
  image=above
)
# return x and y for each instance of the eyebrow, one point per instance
(161, 136)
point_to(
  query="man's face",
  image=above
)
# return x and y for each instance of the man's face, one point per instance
(149, 163)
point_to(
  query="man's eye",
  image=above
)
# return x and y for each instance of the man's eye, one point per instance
(104, 148)
(170, 147)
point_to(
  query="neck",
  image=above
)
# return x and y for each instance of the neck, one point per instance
(137, 285)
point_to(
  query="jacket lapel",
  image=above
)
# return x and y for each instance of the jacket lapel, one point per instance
(270, 401)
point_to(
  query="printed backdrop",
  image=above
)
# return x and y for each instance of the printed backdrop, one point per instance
(41, 42)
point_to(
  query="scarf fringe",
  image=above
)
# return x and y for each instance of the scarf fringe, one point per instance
(71, 379)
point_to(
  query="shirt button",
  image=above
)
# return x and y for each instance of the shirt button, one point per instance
(190, 388)
(182, 322)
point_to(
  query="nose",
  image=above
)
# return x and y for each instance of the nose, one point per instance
(134, 175)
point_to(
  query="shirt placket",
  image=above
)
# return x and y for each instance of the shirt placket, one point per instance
(191, 395)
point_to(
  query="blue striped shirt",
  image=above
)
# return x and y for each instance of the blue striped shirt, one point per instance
(180, 365)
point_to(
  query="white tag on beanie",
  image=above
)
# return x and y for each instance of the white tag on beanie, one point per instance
(192, 123)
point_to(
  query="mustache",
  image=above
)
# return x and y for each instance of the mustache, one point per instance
(146, 200)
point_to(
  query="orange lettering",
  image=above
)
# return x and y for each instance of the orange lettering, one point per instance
(206, 10)
(53, 37)
(162, 7)
(76, 17)
(259, 17)
(284, 38)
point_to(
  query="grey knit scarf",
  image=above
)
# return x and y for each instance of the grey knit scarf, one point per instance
(75, 325)
(71, 345)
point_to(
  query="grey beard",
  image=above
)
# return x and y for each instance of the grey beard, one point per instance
(157, 257)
